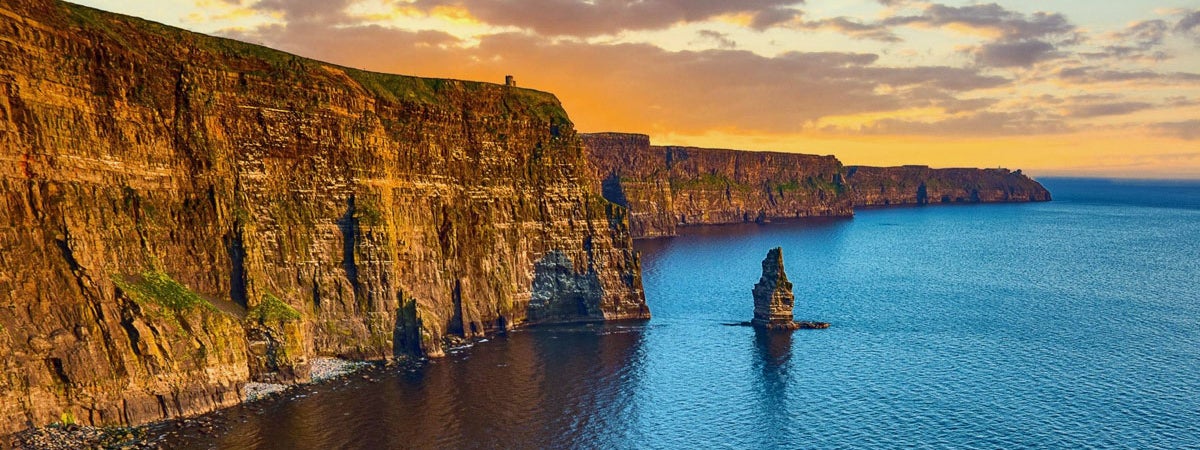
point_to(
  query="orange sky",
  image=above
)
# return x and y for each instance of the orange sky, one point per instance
(1054, 87)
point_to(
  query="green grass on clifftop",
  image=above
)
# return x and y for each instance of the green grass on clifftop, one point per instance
(401, 88)
(155, 39)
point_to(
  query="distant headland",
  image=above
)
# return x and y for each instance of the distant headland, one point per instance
(666, 187)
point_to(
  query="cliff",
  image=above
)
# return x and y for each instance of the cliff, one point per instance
(921, 185)
(180, 214)
(665, 187)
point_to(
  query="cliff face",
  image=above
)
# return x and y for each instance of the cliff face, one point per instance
(920, 185)
(180, 214)
(633, 174)
(669, 186)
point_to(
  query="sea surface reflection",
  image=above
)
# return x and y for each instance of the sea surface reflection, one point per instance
(554, 387)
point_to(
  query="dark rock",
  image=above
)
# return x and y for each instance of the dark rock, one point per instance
(773, 299)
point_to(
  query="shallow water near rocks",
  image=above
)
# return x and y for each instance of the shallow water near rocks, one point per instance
(1063, 324)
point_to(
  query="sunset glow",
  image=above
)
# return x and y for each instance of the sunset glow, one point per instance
(1051, 87)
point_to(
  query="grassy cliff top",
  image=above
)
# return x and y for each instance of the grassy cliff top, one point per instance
(154, 40)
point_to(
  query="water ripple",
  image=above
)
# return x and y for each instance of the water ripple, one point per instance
(1068, 324)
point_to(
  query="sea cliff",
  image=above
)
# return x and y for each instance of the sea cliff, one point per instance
(665, 187)
(181, 214)
(669, 186)
(921, 185)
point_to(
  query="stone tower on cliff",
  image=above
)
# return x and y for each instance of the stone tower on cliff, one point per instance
(773, 299)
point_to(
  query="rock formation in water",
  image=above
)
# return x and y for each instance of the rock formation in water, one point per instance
(664, 187)
(921, 185)
(668, 187)
(773, 299)
(181, 214)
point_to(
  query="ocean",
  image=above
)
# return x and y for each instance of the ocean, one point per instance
(1073, 323)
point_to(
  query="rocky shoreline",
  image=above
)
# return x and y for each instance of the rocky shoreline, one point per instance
(797, 325)
(158, 435)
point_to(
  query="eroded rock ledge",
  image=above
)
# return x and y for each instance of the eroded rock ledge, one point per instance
(181, 214)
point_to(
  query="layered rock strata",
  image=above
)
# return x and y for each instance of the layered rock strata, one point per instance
(180, 214)
(921, 185)
(774, 301)
(773, 298)
(665, 187)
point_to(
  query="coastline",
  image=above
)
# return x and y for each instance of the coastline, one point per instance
(154, 435)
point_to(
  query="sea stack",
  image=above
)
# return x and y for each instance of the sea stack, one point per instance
(773, 297)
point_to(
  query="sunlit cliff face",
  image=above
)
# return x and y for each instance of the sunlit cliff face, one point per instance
(1060, 87)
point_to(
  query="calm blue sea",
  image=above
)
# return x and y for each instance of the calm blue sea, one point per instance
(1074, 323)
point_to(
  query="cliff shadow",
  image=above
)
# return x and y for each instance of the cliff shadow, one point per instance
(406, 334)
(611, 190)
(560, 294)
(348, 226)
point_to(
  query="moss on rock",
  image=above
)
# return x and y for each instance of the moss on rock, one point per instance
(272, 310)
(159, 288)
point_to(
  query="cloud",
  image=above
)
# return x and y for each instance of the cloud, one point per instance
(1187, 130)
(990, 18)
(984, 123)
(1145, 34)
(1138, 41)
(1180, 101)
(1107, 109)
(773, 16)
(604, 17)
(853, 28)
(323, 11)
(957, 106)
(1018, 40)
(1014, 54)
(721, 39)
(1093, 74)
(1189, 24)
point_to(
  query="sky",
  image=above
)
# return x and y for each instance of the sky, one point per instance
(1053, 87)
